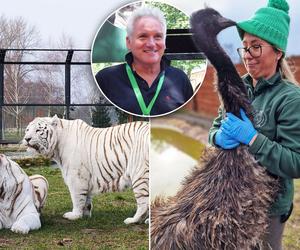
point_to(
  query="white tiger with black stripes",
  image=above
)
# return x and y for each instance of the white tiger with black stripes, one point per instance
(19, 210)
(95, 160)
(40, 187)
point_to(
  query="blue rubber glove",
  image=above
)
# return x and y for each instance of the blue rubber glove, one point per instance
(224, 141)
(240, 130)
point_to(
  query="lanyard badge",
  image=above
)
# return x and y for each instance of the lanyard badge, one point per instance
(145, 110)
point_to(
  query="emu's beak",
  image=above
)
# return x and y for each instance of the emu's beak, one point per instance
(225, 22)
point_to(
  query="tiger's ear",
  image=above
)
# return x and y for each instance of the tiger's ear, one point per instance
(54, 120)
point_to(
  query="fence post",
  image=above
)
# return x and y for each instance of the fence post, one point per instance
(2, 58)
(68, 82)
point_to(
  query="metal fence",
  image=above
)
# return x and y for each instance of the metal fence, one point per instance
(67, 59)
(20, 111)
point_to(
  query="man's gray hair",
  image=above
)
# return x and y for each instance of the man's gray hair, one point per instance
(146, 12)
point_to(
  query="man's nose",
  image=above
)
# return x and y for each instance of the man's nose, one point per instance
(150, 41)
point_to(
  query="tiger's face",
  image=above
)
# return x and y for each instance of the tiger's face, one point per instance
(40, 136)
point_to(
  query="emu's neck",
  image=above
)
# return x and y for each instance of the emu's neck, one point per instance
(219, 59)
(230, 85)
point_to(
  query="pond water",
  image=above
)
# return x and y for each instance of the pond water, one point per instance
(172, 156)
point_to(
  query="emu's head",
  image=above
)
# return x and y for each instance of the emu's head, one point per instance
(41, 135)
(206, 24)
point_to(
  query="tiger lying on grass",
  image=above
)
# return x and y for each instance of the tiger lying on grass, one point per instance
(19, 208)
(95, 160)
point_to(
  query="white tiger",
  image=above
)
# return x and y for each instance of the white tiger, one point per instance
(17, 198)
(95, 160)
(40, 186)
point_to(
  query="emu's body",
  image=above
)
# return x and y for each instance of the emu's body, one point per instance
(224, 204)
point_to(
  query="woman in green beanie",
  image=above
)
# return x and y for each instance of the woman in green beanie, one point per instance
(274, 138)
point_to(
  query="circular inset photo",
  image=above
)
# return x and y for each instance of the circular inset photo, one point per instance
(144, 59)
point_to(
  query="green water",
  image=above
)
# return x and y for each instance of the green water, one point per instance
(172, 157)
(162, 137)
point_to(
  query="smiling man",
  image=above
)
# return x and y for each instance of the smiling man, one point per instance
(146, 84)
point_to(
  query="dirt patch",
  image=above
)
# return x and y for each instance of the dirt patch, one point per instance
(5, 242)
(65, 242)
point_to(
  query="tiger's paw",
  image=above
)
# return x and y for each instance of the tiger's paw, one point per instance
(147, 221)
(72, 216)
(130, 220)
(19, 227)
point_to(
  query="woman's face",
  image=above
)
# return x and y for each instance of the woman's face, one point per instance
(147, 42)
(260, 66)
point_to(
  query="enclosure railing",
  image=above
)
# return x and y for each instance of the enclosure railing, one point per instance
(179, 46)
(67, 62)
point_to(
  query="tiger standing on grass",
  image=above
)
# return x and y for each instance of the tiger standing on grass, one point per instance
(95, 160)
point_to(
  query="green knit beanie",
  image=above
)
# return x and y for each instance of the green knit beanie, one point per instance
(270, 23)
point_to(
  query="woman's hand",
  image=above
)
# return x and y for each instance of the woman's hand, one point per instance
(225, 141)
(242, 131)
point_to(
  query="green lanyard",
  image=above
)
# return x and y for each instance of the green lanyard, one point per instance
(146, 110)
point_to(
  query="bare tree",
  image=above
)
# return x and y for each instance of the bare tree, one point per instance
(52, 78)
(83, 85)
(16, 33)
(51, 81)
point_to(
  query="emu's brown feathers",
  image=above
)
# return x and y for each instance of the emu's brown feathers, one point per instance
(224, 203)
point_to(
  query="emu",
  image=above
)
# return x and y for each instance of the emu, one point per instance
(223, 204)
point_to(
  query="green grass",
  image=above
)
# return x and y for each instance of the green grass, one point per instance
(291, 238)
(104, 230)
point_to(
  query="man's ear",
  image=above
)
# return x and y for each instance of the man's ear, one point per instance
(128, 42)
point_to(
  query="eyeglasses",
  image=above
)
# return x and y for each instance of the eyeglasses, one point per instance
(255, 50)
